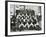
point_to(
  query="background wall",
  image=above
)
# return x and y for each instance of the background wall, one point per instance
(2, 19)
(28, 7)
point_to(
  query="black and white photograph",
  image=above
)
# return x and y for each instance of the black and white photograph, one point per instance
(25, 18)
